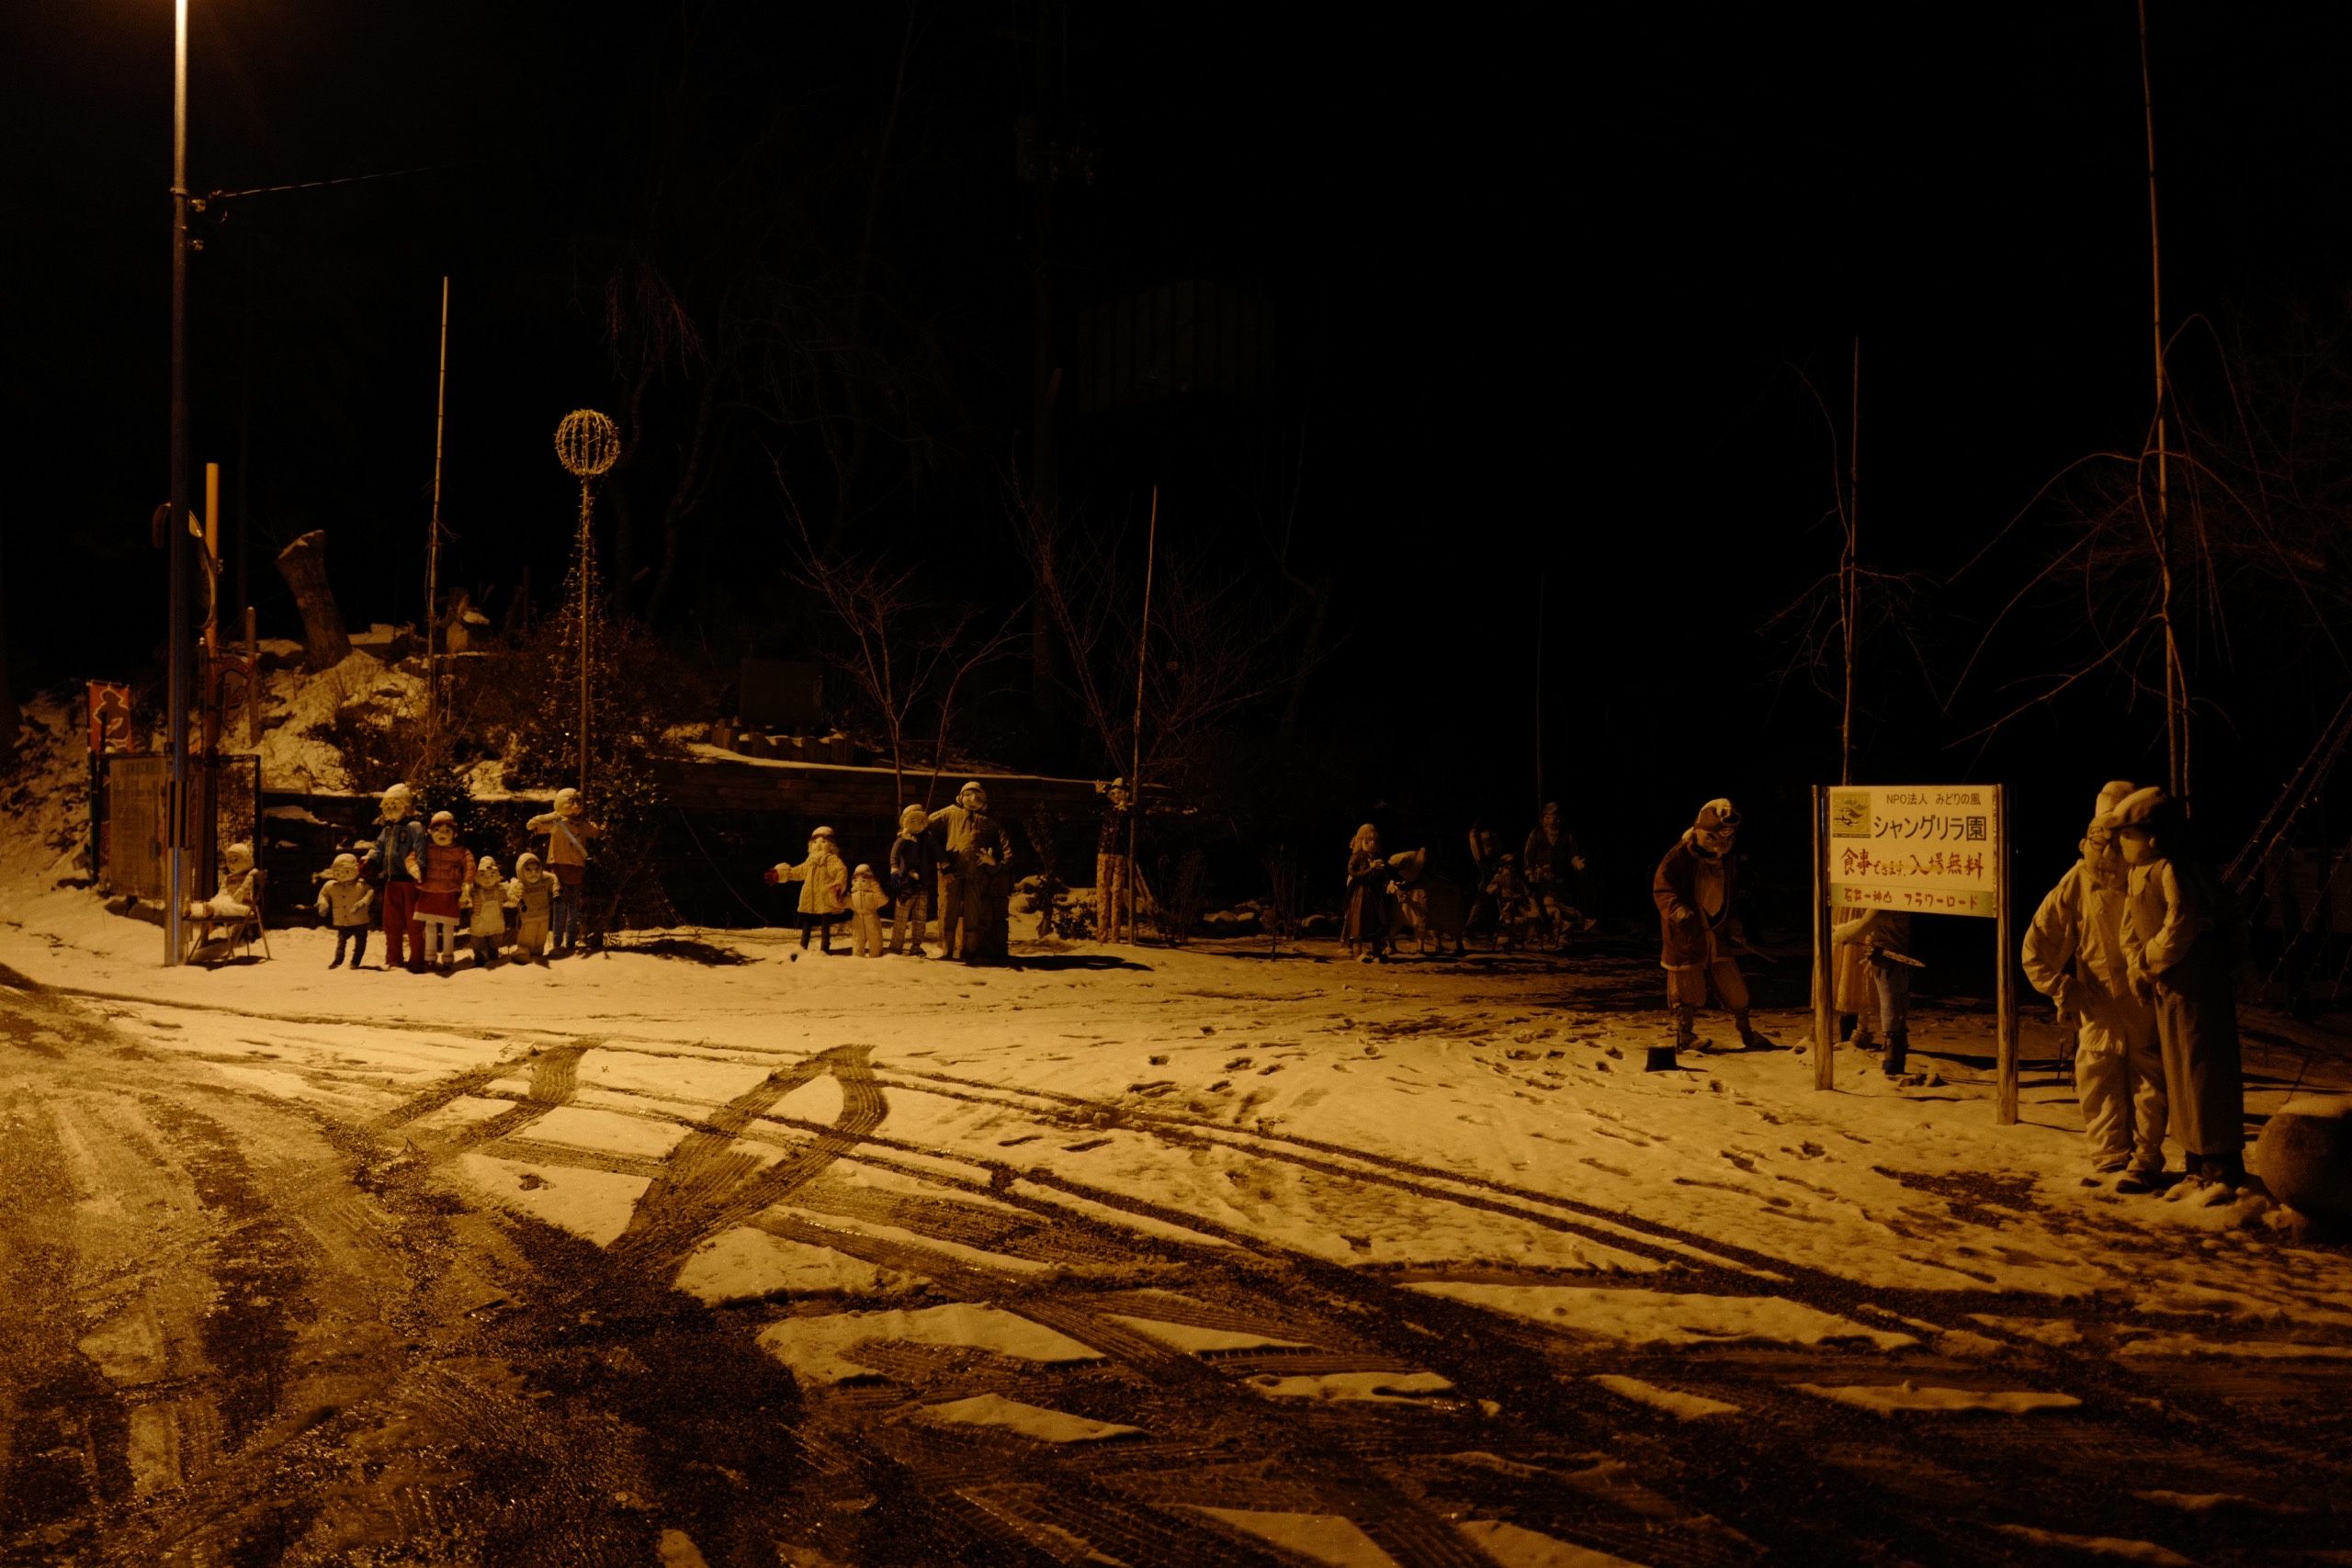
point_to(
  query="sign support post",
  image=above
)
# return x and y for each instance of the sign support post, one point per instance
(1824, 1019)
(2005, 1004)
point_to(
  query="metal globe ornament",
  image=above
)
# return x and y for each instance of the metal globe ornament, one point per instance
(587, 443)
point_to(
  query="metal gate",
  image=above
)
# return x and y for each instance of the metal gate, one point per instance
(223, 809)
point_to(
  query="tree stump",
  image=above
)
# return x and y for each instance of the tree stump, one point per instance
(303, 564)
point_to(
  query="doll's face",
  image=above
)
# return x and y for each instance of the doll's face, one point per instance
(1712, 842)
(530, 870)
(444, 835)
(1118, 797)
(569, 805)
(345, 869)
(2138, 847)
(487, 875)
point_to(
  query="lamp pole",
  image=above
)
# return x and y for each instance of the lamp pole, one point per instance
(176, 524)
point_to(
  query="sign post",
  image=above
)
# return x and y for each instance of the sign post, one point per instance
(1824, 1001)
(1918, 849)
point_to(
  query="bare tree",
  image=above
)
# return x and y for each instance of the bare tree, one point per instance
(907, 655)
(1220, 644)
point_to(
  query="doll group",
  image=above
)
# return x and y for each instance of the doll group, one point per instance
(431, 891)
(962, 854)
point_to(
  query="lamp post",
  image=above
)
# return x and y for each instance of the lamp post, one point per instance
(587, 444)
(176, 522)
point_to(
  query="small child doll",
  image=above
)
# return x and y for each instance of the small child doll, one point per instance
(533, 892)
(1517, 913)
(486, 897)
(866, 897)
(441, 872)
(914, 874)
(344, 902)
(824, 880)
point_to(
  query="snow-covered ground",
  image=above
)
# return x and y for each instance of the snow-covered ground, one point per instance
(1427, 1208)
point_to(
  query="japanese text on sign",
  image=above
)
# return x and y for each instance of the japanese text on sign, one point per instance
(1933, 851)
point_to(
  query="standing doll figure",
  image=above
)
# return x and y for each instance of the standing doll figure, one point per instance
(442, 870)
(1517, 915)
(485, 898)
(532, 895)
(568, 830)
(2073, 955)
(1553, 867)
(344, 902)
(1874, 944)
(1115, 909)
(391, 860)
(914, 868)
(866, 896)
(824, 888)
(2177, 954)
(1484, 917)
(1371, 898)
(973, 847)
(1695, 889)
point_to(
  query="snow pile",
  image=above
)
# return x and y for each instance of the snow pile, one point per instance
(46, 794)
(298, 705)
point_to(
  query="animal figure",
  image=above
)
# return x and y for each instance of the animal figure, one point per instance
(1435, 906)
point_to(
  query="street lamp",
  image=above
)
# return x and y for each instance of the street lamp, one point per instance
(176, 525)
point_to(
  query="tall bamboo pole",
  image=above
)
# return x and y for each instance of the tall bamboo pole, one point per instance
(1849, 583)
(433, 541)
(1541, 576)
(1135, 766)
(176, 524)
(2176, 676)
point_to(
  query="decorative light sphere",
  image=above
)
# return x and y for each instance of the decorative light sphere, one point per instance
(587, 443)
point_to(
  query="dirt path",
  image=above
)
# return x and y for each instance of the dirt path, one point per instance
(248, 1329)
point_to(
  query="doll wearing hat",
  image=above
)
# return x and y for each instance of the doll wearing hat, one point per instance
(866, 896)
(568, 830)
(484, 900)
(532, 895)
(2180, 948)
(235, 901)
(344, 903)
(1695, 891)
(441, 870)
(824, 888)
(399, 841)
(2073, 954)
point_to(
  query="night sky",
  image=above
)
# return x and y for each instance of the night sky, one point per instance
(1543, 291)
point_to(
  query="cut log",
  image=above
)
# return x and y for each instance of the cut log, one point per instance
(303, 564)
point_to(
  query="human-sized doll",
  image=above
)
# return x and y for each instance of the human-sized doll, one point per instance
(344, 902)
(532, 895)
(400, 840)
(866, 896)
(485, 899)
(824, 887)
(235, 901)
(568, 830)
(441, 871)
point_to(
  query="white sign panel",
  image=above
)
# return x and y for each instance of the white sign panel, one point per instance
(1927, 850)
